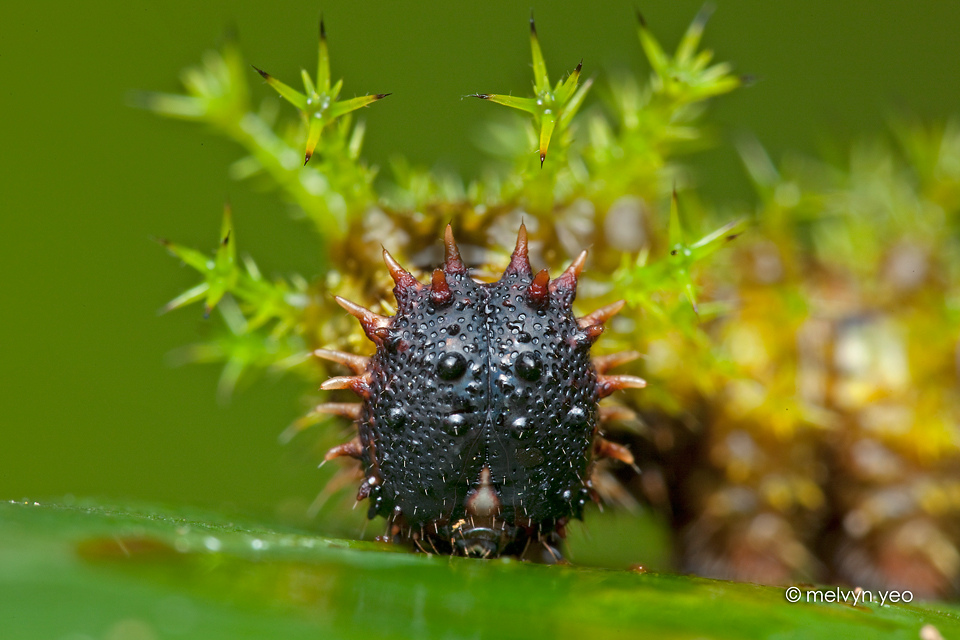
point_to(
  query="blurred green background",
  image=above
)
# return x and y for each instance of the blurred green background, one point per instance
(89, 404)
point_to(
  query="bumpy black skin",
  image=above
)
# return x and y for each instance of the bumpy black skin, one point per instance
(492, 378)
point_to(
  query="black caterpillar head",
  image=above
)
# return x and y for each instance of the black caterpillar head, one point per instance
(479, 421)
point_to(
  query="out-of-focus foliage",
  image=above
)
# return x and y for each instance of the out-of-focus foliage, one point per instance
(833, 448)
(825, 443)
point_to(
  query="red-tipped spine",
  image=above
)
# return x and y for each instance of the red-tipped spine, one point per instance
(604, 363)
(359, 364)
(369, 320)
(352, 449)
(602, 314)
(358, 384)
(588, 335)
(520, 260)
(440, 292)
(452, 262)
(568, 279)
(344, 409)
(607, 385)
(539, 291)
(615, 412)
(603, 448)
(403, 279)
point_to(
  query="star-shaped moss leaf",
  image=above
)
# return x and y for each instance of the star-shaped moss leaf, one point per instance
(684, 254)
(688, 72)
(646, 279)
(552, 107)
(219, 272)
(319, 102)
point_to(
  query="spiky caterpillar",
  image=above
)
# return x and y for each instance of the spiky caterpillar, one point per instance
(479, 421)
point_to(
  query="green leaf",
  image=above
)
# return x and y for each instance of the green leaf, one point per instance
(716, 239)
(194, 294)
(335, 91)
(227, 252)
(523, 104)
(565, 88)
(691, 39)
(172, 106)
(658, 58)
(96, 571)
(314, 131)
(338, 109)
(323, 61)
(541, 81)
(287, 92)
(547, 122)
(675, 234)
(191, 257)
(574, 103)
(307, 83)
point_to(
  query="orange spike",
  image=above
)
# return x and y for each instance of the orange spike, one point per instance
(606, 385)
(345, 409)
(539, 293)
(401, 276)
(452, 261)
(604, 363)
(615, 412)
(602, 314)
(369, 320)
(352, 449)
(440, 292)
(520, 260)
(568, 279)
(603, 448)
(357, 384)
(359, 364)
(588, 335)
